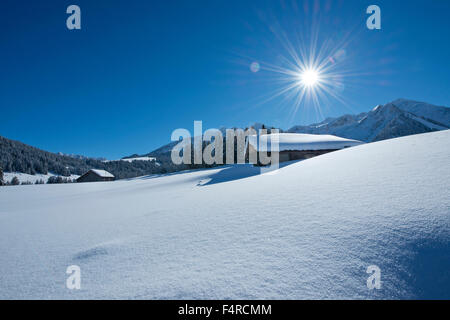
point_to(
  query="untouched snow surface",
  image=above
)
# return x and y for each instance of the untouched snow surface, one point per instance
(302, 141)
(307, 230)
(24, 177)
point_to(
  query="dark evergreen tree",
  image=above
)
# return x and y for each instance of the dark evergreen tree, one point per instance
(15, 181)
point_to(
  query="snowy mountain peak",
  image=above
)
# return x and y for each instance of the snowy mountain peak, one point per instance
(401, 117)
(378, 106)
(398, 118)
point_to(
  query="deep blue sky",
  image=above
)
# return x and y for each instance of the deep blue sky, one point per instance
(140, 69)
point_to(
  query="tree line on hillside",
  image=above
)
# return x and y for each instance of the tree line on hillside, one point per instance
(51, 180)
(16, 156)
(1, 177)
(166, 153)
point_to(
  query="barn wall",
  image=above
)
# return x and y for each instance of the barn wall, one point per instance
(302, 155)
(92, 177)
(289, 155)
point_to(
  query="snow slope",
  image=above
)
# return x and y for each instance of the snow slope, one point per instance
(438, 114)
(24, 177)
(307, 230)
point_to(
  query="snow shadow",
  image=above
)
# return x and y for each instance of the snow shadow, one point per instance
(237, 172)
(90, 253)
(169, 174)
(430, 269)
(102, 249)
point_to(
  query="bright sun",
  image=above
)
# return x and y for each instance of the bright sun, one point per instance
(309, 78)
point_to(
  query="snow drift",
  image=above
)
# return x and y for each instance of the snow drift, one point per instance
(308, 230)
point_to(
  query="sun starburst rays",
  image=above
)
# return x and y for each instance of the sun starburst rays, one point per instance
(309, 79)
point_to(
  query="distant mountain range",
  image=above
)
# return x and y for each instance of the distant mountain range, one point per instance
(396, 119)
(399, 118)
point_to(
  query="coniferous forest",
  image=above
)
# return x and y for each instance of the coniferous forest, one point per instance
(16, 156)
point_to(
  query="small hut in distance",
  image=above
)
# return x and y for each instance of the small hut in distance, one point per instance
(96, 175)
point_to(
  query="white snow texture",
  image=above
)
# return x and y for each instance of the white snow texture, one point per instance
(308, 230)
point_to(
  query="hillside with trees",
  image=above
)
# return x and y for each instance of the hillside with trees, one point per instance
(16, 156)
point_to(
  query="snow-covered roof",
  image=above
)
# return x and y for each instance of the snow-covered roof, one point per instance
(102, 173)
(301, 141)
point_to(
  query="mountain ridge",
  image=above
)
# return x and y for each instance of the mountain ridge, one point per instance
(401, 117)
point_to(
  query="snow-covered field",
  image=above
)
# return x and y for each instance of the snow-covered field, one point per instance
(309, 230)
(24, 177)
